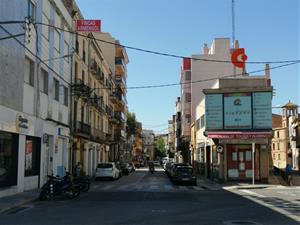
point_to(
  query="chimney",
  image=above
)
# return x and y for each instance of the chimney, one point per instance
(205, 49)
(236, 44)
(267, 75)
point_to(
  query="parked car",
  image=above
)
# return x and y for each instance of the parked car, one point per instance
(107, 170)
(168, 167)
(184, 174)
(131, 167)
(125, 168)
(174, 166)
(156, 163)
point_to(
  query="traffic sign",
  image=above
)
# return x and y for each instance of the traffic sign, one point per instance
(219, 149)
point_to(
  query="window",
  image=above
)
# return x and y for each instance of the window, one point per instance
(9, 144)
(57, 40)
(66, 51)
(277, 134)
(66, 95)
(56, 89)
(32, 156)
(273, 146)
(31, 10)
(45, 29)
(279, 157)
(83, 78)
(29, 71)
(187, 97)
(76, 71)
(83, 51)
(44, 78)
(77, 44)
(198, 124)
(188, 118)
(277, 146)
(202, 121)
(188, 75)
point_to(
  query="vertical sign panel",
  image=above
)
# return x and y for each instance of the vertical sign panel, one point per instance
(237, 111)
(214, 111)
(262, 110)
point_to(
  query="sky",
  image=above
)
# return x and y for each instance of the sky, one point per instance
(268, 30)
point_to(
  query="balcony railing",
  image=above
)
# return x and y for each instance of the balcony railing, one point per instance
(119, 61)
(83, 128)
(80, 88)
(98, 135)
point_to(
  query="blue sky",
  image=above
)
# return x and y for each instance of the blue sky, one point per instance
(268, 30)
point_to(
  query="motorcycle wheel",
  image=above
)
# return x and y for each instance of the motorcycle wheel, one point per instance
(45, 195)
(86, 187)
(71, 193)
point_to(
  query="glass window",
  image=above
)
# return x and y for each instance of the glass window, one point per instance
(56, 89)
(66, 51)
(45, 29)
(57, 40)
(234, 156)
(188, 75)
(31, 10)
(202, 121)
(66, 94)
(29, 71)
(44, 78)
(248, 155)
(32, 156)
(8, 159)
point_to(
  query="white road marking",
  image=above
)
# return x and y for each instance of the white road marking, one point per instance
(253, 193)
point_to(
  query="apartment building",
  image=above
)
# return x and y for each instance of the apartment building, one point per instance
(171, 136)
(35, 94)
(148, 143)
(117, 58)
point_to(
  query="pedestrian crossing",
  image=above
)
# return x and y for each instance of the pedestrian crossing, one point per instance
(147, 188)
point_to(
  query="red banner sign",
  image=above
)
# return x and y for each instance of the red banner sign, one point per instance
(239, 135)
(88, 25)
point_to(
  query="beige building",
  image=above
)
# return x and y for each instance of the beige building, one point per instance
(285, 149)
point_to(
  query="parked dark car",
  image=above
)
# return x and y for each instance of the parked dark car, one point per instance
(174, 166)
(184, 174)
(131, 167)
(125, 168)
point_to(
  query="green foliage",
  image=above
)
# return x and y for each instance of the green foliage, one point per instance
(131, 126)
(160, 148)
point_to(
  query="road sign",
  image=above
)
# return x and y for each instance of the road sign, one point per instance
(238, 57)
(219, 149)
(88, 25)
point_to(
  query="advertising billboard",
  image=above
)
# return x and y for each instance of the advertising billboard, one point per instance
(238, 111)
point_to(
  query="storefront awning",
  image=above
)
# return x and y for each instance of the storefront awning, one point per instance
(238, 134)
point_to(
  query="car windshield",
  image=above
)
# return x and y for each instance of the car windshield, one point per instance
(104, 165)
(184, 170)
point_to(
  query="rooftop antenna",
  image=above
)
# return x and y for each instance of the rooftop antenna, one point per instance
(233, 22)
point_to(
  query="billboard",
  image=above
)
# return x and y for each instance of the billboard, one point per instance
(88, 25)
(214, 111)
(238, 111)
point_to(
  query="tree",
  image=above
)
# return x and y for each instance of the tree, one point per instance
(160, 148)
(131, 126)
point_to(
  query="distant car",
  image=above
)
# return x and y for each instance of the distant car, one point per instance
(107, 170)
(184, 174)
(131, 167)
(156, 163)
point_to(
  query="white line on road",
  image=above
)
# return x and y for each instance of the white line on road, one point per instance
(253, 193)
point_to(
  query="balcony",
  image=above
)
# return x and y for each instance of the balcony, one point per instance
(120, 116)
(113, 97)
(121, 82)
(97, 135)
(94, 67)
(121, 99)
(82, 128)
(80, 88)
(120, 66)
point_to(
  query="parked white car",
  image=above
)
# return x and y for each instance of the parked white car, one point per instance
(107, 170)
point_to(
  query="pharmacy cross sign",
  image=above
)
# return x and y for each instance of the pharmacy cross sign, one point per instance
(88, 25)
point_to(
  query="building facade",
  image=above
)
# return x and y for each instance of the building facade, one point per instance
(237, 129)
(148, 143)
(34, 128)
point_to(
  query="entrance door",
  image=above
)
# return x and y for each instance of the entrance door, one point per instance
(239, 162)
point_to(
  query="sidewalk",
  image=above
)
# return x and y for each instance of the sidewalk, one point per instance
(10, 202)
(208, 184)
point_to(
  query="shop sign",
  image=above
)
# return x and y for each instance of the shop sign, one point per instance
(262, 110)
(214, 111)
(239, 135)
(88, 25)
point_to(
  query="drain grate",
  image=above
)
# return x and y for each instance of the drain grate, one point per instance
(240, 222)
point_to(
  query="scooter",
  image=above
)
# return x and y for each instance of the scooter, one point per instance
(151, 169)
(83, 182)
(57, 186)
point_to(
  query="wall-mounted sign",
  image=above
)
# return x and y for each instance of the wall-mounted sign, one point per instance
(88, 25)
(238, 57)
(262, 110)
(214, 111)
(237, 111)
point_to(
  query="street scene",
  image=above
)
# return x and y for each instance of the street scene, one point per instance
(145, 198)
(149, 112)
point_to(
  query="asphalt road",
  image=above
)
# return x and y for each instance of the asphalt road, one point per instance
(143, 199)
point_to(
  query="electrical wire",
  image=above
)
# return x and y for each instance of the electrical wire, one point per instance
(12, 36)
(167, 54)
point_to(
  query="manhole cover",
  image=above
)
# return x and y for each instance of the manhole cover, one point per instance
(240, 222)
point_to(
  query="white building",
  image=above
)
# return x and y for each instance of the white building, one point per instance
(34, 99)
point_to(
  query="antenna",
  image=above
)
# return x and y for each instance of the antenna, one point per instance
(233, 22)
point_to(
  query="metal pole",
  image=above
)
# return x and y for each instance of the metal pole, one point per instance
(253, 151)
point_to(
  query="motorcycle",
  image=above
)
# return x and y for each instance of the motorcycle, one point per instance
(83, 182)
(57, 186)
(151, 169)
